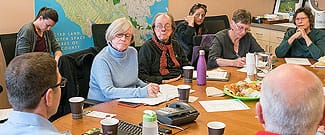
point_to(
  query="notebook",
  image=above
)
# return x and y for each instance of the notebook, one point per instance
(215, 75)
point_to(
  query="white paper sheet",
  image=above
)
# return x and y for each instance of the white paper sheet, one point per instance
(243, 69)
(297, 61)
(167, 92)
(213, 91)
(98, 114)
(192, 99)
(223, 105)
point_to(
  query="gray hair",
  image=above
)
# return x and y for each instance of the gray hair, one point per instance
(292, 114)
(118, 26)
(242, 15)
(28, 76)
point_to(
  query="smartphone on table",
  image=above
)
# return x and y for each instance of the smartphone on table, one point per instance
(128, 104)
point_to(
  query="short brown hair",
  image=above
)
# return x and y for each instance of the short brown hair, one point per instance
(27, 77)
(309, 14)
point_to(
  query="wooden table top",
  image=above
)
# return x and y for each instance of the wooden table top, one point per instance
(237, 122)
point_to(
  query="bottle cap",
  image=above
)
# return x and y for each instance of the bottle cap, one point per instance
(149, 116)
(201, 52)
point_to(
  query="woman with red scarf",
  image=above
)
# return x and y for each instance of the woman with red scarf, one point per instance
(161, 58)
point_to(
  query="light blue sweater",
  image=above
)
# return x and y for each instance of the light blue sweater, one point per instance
(114, 75)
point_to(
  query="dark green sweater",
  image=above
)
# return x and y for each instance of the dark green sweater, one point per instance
(299, 47)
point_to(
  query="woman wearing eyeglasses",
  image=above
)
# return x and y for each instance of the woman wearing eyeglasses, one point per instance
(304, 40)
(161, 58)
(192, 26)
(114, 72)
(230, 46)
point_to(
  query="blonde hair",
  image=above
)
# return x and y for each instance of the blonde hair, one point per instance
(118, 26)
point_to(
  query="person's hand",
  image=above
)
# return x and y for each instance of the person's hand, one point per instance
(190, 20)
(58, 54)
(304, 36)
(239, 62)
(171, 80)
(321, 129)
(153, 89)
(302, 32)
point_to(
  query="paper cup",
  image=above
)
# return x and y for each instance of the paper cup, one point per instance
(76, 105)
(216, 128)
(188, 73)
(109, 126)
(184, 92)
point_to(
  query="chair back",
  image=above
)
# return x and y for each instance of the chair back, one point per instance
(215, 24)
(8, 43)
(4, 103)
(204, 43)
(98, 31)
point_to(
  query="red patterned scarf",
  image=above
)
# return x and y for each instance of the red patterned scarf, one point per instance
(163, 58)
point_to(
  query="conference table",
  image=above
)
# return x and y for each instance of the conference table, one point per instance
(243, 122)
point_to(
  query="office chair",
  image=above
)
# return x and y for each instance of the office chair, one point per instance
(178, 21)
(8, 43)
(204, 43)
(216, 23)
(98, 31)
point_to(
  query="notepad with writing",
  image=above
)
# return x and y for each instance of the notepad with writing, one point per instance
(167, 92)
(215, 75)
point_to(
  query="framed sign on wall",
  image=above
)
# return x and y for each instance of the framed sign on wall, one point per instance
(284, 7)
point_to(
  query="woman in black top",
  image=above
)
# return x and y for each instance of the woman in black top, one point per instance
(192, 26)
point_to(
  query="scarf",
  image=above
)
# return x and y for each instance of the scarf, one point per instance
(163, 58)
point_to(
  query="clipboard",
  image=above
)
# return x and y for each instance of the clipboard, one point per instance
(215, 75)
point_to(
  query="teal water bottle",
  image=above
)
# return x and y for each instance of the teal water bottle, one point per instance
(149, 124)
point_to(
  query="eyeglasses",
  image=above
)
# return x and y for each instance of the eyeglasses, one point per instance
(62, 84)
(302, 18)
(242, 28)
(127, 36)
(166, 26)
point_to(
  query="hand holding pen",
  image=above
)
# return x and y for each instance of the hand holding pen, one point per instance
(153, 89)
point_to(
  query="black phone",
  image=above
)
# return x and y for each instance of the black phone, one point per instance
(128, 104)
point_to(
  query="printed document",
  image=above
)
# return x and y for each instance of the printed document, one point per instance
(223, 105)
(297, 61)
